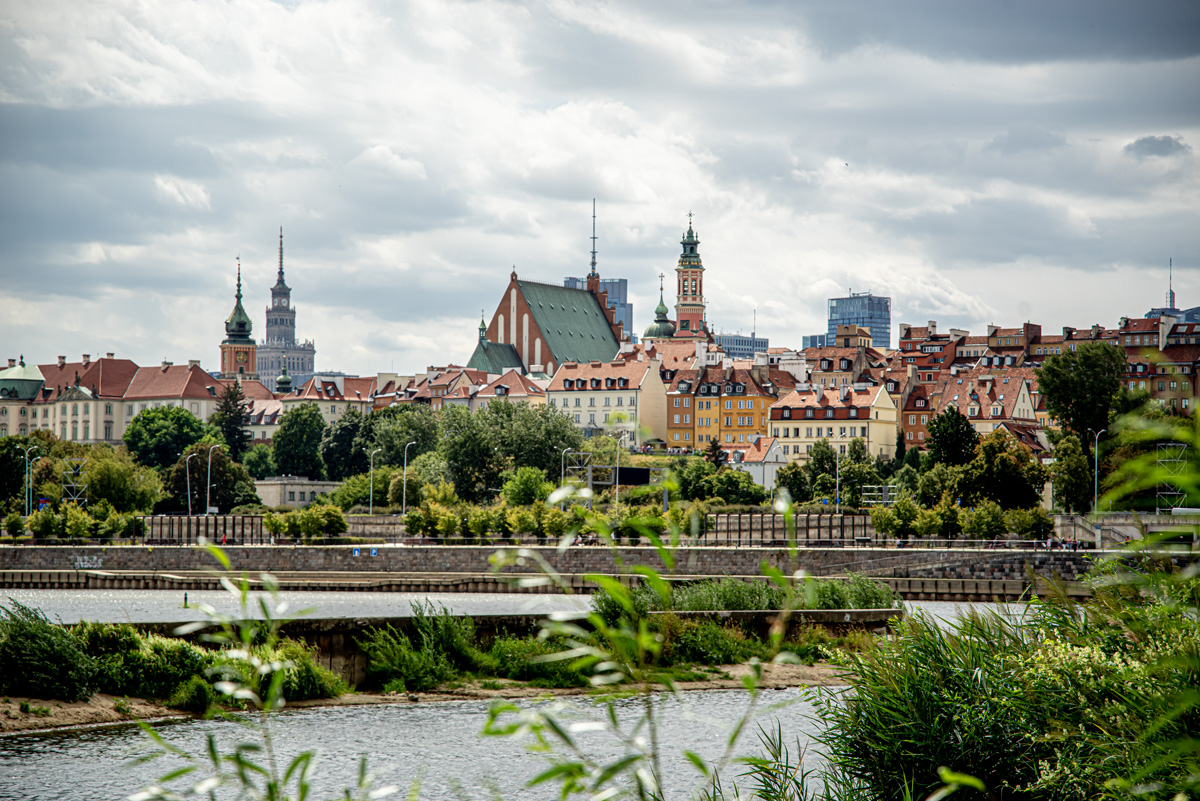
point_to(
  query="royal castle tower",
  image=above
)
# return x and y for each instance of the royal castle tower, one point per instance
(689, 275)
(238, 352)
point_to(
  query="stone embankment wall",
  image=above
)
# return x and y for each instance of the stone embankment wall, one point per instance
(694, 561)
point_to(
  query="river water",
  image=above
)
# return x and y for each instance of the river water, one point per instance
(439, 742)
(164, 606)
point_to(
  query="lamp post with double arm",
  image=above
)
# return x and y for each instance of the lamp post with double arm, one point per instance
(404, 481)
(208, 491)
(562, 472)
(371, 490)
(188, 473)
(28, 492)
(1096, 474)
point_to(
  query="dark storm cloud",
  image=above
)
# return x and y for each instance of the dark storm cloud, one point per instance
(1014, 31)
(1157, 146)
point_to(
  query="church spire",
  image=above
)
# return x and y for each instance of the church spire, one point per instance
(593, 272)
(1171, 283)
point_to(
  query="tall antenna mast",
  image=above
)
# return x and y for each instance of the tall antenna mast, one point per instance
(754, 328)
(593, 235)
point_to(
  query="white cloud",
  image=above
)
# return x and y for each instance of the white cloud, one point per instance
(182, 191)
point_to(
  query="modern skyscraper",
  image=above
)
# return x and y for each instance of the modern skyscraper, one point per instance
(280, 348)
(740, 346)
(865, 309)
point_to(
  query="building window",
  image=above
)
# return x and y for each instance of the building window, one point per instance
(606, 403)
(591, 417)
(909, 435)
(86, 409)
(291, 496)
(577, 403)
(687, 403)
(108, 431)
(677, 436)
(87, 429)
(921, 435)
(687, 418)
(591, 402)
(676, 419)
(576, 417)
(677, 403)
(728, 404)
(633, 400)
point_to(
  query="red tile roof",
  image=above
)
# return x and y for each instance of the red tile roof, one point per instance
(634, 372)
(173, 381)
(109, 377)
(516, 384)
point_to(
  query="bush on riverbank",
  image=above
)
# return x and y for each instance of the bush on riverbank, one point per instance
(43, 660)
(1058, 707)
(733, 595)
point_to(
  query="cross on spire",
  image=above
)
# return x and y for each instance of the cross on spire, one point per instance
(593, 236)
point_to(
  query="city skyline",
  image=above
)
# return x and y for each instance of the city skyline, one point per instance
(949, 158)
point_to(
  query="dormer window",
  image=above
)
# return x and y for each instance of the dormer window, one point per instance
(973, 411)
(996, 410)
(829, 413)
(853, 411)
(845, 364)
(920, 403)
(787, 414)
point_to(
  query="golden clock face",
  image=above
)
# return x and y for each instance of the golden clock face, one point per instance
(240, 358)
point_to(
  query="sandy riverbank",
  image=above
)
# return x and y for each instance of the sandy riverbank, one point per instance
(103, 709)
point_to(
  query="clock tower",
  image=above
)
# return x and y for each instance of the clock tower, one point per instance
(238, 351)
(689, 276)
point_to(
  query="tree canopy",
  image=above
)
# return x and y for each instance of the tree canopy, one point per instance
(231, 482)
(260, 461)
(157, 436)
(952, 438)
(342, 450)
(1004, 471)
(1072, 476)
(822, 461)
(297, 443)
(1081, 387)
(230, 420)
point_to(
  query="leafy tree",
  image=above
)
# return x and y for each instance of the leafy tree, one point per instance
(430, 468)
(936, 482)
(230, 420)
(526, 485)
(394, 427)
(905, 478)
(952, 438)
(855, 476)
(12, 468)
(1005, 472)
(856, 451)
(691, 473)
(398, 495)
(1082, 386)
(297, 443)
(260, 461)
(792, 478)
(984, 522)
(714, 454)
(158, 435)
(822, 461)
(901, 445)
(471, 459)
(528, 435)
(356, 490)
(114, 477)
(949, 513)
(231, 482)
(607, 450)
(341, 447)
(1072, 476)
(735, 487)
(913, 458)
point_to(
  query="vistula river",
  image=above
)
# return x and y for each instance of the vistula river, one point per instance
(439, 742)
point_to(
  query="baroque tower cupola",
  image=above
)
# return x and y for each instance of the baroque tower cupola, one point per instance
(689, 275)
(238, 351)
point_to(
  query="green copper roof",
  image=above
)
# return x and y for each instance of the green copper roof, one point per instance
(21, 381)
(572, 322)
(661, 327)
(238, 325)
(690, 257)
(284, 382)
(493, 358)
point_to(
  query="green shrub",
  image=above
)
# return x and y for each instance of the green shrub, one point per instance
(40, 659)
(984, 522)
(304, 679)
(709, 643)
(524, 659)
(77, 524)
(727, 595)
(169, 663)
(45, 524)
(1030, 524)
(863, 593)
(437, 631)
(393, 664)
(195, 695)
(522, 521)
(14, 525)
(525, 486)
(414, 523)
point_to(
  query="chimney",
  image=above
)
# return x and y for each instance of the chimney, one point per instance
(62, 361)
(932, 327)
(87, 359)
(1096, 331)
(992, 329)
(193, 363)
(108, 355)
(1067, 331)
(166, 364)
(12, 362)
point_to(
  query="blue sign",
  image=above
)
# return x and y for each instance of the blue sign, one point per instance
(374, 552)
(354, 552)
(825, 501)
(43, 503)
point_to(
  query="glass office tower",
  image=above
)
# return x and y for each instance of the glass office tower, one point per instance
(865, 309)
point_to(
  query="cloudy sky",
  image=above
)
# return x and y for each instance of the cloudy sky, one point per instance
(979, 162)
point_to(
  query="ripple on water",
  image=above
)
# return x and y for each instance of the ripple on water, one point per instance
(439, 742)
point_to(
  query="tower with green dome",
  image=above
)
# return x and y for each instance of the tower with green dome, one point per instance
(239, 358)
(661, 328)
(689, 303)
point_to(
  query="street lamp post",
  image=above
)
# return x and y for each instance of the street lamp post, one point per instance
(27, 490)
(29, 501)
(371, 491)
(188, 472)
(562, 472)
(1096, 475)
(617, 484)
(404, 481)
(208, 490)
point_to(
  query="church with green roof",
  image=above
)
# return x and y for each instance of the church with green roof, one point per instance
(537, 326)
